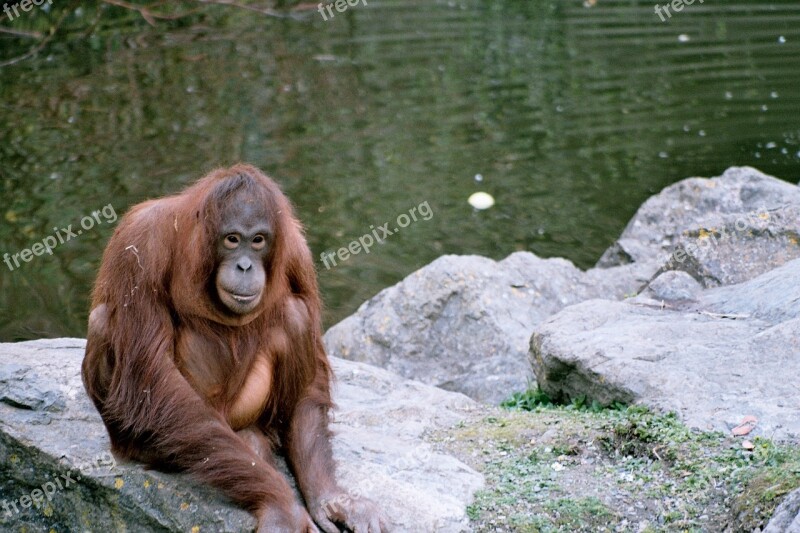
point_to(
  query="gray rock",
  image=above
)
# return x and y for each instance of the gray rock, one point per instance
(786, 518)
(462, 323)
(380, 450)
(729, 249)
(773, 297)
(722, 230)
(714, 361)
(673, 286)
(50, 429)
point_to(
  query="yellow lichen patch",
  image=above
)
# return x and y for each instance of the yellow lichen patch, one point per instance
(160, 485)
(147, 483)
(195, 529)
(793, 240)
(184, 506)
(14, 459)
(47, 510)
(704, 234)
(52, 531)
(763, 216)
(119, 483)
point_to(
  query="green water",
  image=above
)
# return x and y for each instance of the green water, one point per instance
(572, 116)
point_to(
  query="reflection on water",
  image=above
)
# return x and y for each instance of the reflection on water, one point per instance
(571, 117)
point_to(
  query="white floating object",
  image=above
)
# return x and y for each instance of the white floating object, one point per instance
(479, 177)
(481, 200)
(683, 38)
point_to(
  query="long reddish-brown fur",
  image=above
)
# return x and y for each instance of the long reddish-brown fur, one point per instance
(153, 286)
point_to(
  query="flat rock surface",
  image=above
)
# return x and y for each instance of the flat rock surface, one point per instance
(49, 429)
(731, 352)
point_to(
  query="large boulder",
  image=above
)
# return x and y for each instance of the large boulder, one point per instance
(712, 356)
(722, 230)
(54, 448)
(462, 323)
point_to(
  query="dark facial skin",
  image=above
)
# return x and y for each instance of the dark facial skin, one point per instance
(243, 245)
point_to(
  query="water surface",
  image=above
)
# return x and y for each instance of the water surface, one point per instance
(569, 116)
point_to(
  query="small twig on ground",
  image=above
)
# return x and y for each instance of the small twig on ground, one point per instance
(723, 315)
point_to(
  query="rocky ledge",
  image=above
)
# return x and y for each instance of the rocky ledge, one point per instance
(714, 357)
(54, 451)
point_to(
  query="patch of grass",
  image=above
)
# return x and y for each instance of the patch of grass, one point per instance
(571, 468)
(639, 432)
(535, 397)
(583, 513)
(528, 400)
